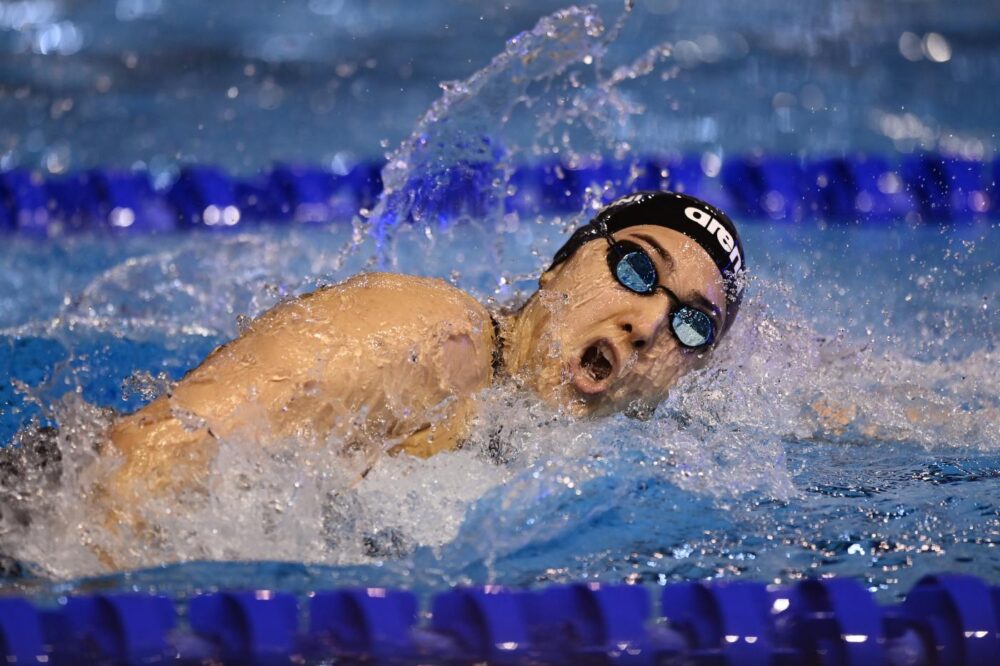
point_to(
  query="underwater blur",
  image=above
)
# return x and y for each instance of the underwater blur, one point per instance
(848, 423)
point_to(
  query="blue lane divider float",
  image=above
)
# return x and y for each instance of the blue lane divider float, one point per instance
(868, 188)
(946, 620)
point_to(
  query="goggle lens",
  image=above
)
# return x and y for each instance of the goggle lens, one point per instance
(692, 327)
(635, 270)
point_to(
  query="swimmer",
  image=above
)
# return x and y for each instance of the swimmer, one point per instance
(383, 362)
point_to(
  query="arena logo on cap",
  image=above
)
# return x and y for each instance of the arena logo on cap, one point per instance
(722, 235)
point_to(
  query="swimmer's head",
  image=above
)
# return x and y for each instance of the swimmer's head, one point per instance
(633, 300)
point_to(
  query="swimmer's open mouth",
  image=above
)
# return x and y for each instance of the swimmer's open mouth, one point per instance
(596, 364)
(596, 367)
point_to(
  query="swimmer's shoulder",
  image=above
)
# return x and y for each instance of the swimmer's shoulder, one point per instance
(432, 298)
(438, 330)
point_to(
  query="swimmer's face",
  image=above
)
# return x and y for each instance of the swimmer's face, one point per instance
(593, 345)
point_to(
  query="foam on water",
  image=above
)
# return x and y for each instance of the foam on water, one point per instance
(804, 443)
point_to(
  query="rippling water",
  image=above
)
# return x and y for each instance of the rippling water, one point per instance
(732, 476)
(245, 82)
(737, 473)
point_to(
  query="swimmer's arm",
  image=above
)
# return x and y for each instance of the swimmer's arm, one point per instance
(905, 413)
(445, 434)
(159, 458)
(462, 367)
(830, 418)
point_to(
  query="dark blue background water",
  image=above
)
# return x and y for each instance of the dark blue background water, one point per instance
(883, 316)
(246, 82)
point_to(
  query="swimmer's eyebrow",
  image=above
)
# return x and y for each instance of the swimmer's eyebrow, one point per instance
(667, 259)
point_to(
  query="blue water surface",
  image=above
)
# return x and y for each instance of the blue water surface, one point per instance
(888, 508)
(731, 477)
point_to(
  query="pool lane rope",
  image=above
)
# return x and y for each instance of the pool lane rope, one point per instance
(946, 619)
(868, 188)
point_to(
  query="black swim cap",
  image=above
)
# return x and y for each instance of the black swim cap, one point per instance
(705, 224)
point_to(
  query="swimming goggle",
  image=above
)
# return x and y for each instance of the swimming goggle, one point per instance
(635, 270)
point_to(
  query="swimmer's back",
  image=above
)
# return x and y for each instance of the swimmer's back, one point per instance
(392, 345)
(376, 338)
(379, 362)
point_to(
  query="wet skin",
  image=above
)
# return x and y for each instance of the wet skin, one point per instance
(379, 362)
(386, 362)
(581, 307)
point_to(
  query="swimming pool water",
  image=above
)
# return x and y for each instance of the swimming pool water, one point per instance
(731, 477)
(243, 83)
(734, 475)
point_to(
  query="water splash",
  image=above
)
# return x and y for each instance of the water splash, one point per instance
(455, 161)
(741, 440)
(546, 97)
(748, 468)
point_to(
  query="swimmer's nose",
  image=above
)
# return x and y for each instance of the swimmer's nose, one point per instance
(643, 323)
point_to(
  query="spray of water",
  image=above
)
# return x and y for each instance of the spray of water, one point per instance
(722, 459)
